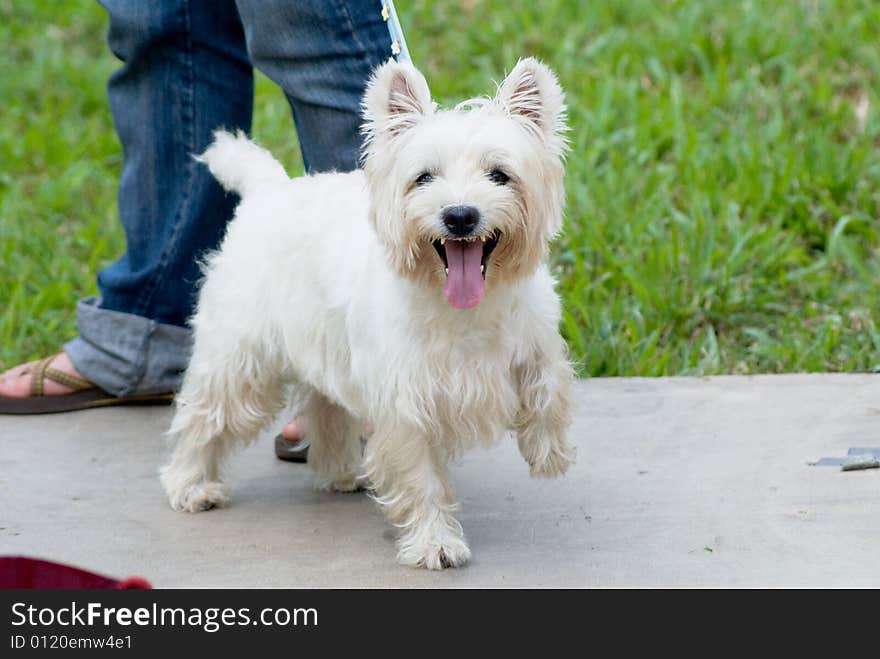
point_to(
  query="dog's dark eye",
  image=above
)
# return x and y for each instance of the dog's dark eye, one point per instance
(424, 177)
(498, 176)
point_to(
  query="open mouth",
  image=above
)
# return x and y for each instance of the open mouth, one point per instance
(489, 243)
(465, 262)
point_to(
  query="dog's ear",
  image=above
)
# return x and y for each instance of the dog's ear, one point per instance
(532, 93)
(397, 97)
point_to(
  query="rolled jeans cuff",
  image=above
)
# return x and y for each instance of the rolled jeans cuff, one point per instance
(126, 354)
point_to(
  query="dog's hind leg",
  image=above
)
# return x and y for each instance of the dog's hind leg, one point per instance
(227, 397)
(335, 446)
(412, 484)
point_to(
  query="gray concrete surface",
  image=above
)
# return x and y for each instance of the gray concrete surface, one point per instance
(679, 482)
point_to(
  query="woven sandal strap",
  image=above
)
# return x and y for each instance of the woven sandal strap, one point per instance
(38, 373)
(41, 372)
(68, 380)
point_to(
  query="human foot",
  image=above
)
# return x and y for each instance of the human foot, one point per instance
(18, 382)
(53, 385)
(294, 431)
(290, 444)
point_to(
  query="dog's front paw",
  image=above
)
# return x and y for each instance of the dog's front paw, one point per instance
(552, 459)
(433, 550)
(186, 495)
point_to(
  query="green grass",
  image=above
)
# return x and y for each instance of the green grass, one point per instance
(723, 194)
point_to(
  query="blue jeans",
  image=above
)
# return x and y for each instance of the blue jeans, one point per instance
(187, 70)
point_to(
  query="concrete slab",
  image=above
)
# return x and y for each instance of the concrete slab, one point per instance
(679, 482)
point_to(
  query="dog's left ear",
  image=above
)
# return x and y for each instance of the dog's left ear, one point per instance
(397, 97)
(532, 93)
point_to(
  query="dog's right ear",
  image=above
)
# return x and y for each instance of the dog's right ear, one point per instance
(531, 94)
(397, 97)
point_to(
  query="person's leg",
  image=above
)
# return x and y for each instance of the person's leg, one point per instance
(321, 54)
(185, 73)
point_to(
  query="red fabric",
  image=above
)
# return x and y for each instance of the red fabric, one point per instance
(32, 573)
(134, 583)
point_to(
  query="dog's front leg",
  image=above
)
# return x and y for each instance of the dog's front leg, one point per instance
(544, 417)
(411, 481)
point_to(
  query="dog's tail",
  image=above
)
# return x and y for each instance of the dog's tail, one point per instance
(240, 165)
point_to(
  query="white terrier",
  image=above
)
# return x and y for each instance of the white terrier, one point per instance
(411, 296)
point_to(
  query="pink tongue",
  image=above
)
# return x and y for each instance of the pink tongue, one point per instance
(464, 282)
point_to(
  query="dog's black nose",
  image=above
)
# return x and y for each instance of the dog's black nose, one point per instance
(461, 220)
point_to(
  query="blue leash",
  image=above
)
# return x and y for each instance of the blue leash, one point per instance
(398, 42)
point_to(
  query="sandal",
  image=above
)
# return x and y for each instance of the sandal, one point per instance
(291, 451)
(86, 394)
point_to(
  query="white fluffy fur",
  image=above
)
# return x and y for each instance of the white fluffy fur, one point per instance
(329, 284)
